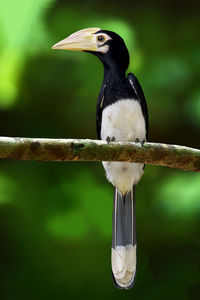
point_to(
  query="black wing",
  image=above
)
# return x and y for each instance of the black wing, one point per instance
(141, 98)
(100, 105)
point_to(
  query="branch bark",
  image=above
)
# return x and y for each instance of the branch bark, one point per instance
(42, 149)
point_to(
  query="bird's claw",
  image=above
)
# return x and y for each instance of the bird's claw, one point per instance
(137, 140)
(110, 139)
(141, 142)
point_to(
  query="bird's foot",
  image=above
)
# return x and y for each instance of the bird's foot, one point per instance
(137, 140)
(141, 142)
(110, 139)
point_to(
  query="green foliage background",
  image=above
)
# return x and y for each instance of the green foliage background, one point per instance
(55, 218)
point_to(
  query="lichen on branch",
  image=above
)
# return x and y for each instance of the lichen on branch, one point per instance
(42, 149)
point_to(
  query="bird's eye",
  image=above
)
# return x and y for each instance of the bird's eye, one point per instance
(100, 38)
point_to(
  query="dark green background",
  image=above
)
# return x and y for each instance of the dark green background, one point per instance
(55, 218)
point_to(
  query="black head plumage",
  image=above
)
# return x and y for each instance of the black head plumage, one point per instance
(117, 55)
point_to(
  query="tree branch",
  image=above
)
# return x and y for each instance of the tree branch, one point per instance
(41, 149)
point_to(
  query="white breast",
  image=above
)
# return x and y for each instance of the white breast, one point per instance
(124, 121)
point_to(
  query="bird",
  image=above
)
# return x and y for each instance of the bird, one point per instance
(121, 116)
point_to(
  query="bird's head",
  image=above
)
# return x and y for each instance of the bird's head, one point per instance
(108, 46)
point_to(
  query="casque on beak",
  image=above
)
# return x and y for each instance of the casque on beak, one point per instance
(82, 40)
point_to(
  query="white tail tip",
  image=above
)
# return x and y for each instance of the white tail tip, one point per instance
(124, 265)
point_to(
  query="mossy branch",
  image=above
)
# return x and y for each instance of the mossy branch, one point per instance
(42, 149)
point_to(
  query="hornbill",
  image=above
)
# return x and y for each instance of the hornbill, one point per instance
(121, 115)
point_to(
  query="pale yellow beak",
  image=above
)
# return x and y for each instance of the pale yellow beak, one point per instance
(82, 40)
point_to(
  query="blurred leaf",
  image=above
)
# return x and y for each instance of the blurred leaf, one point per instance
(21, 30)
(192, 108)
(8, 188)
(72, 225)
(179, 195)
(169, 72)
(92, 210)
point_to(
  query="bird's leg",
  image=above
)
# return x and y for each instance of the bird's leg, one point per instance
(137, 140)
(141, 142)
(110, 139)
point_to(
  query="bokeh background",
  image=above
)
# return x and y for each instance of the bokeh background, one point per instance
(55, 218)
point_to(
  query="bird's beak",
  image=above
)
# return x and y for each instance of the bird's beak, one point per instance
(82, 40)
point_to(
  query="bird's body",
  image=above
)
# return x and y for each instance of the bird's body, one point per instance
(124, 121)
(121, 115)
